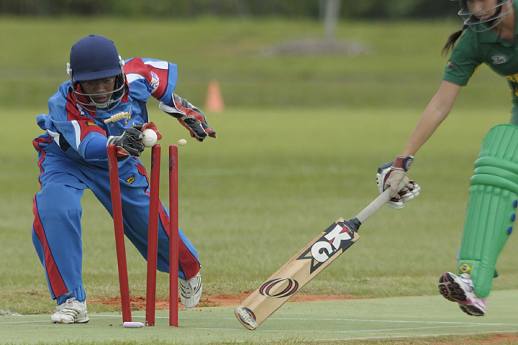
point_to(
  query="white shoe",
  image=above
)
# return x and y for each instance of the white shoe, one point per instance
(72, 311)
(459, 288)
(190, 291)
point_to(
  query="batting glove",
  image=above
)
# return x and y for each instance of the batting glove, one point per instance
(393, 176)
(129, 143)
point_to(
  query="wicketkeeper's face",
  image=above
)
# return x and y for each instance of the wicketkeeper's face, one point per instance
(99, 90)
(482, 9)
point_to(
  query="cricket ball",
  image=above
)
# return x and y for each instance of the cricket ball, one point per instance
(149, 137)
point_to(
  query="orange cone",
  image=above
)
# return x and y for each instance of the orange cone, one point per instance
(214, 102)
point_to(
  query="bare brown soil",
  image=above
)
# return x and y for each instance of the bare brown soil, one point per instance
(139, 302)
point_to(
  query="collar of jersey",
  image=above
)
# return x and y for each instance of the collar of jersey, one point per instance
(492, 37)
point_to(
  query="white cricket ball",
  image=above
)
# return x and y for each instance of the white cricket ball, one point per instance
(149, 137)
(182, 141)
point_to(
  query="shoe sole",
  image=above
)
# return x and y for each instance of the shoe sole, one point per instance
(452, 291)
(471, 310)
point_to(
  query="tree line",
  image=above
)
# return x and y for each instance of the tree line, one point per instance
(314, 9)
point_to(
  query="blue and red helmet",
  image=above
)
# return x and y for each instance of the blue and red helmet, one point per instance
(95, 57)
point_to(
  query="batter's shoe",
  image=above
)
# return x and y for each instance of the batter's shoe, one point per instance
(459, 288)
(71, 311)
(190, 291)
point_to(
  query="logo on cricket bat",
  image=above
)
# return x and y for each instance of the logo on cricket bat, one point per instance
(279, 287)
(337, 237)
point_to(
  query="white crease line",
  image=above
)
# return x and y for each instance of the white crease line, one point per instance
(24, 322)
(399, 321)
(452, 323)
(372, 320)
(351, 331)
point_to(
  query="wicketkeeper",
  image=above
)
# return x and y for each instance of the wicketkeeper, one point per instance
(489, 35)
(104, 102)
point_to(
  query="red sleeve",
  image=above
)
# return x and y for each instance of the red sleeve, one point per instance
(155, 73)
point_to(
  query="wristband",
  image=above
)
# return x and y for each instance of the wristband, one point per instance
(403, 162)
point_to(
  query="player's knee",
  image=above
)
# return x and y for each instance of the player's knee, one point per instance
(57, 199)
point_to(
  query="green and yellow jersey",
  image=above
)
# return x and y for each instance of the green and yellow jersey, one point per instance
(475, 48)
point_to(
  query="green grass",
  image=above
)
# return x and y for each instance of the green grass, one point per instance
(403, 66)
(262, 190)
(297, 147)
(395, 320)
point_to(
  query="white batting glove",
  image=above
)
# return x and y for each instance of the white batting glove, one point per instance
(393, 176)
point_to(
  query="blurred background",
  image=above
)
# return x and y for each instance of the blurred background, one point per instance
(269, 53)
(308, 98)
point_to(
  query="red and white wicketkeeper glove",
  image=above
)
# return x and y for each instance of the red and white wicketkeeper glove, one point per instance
(190, 117)
(393, 176)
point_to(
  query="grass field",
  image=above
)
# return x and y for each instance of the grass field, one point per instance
(402, 69)
(355, 321)
(275, 177)
(250, 203)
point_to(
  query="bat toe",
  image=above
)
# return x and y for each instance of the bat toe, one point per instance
(246, 317)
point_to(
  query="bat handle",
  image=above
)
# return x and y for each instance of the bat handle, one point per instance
(374, 206)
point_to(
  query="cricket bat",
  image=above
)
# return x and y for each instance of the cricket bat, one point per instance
(304, 266)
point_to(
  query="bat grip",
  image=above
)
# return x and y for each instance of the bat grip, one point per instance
(374, 206)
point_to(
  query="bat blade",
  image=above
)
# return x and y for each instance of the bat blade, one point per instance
(297, 272)
(304, 266)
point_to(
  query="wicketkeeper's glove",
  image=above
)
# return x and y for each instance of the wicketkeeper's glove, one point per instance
(129, 143)
(149, 125)
(197, 126)
(190, 117)
(393, 176)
